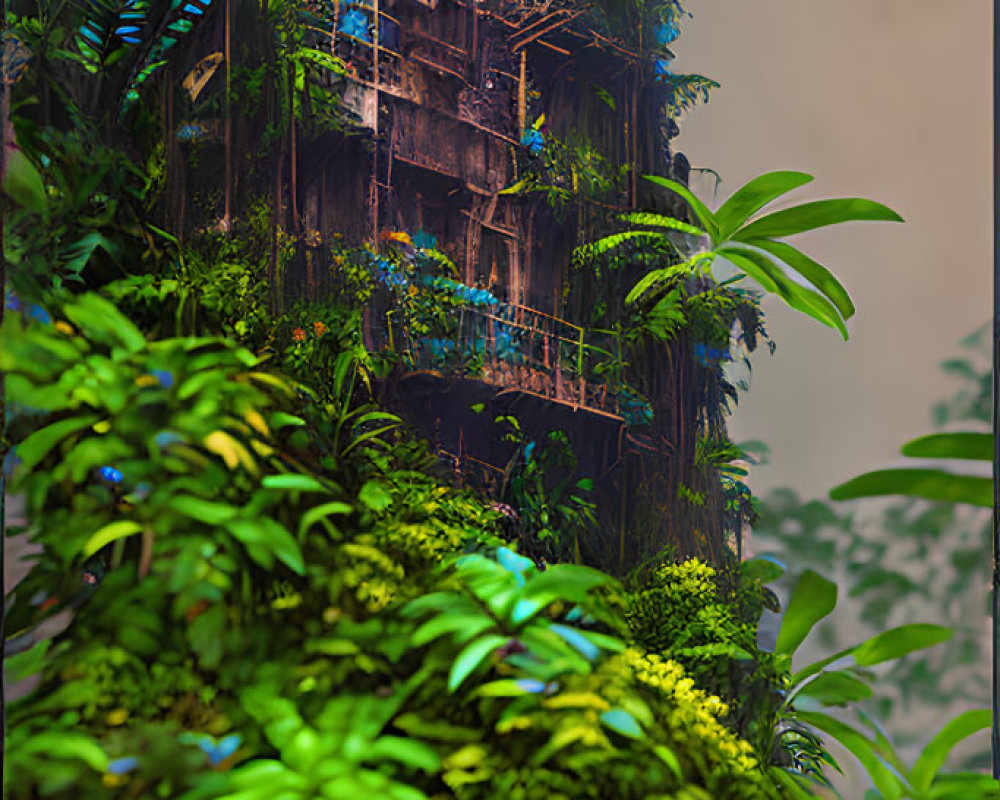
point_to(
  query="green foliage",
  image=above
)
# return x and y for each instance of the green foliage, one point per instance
(541, 485)
(569, 169)
(94, 220)
(754, 246)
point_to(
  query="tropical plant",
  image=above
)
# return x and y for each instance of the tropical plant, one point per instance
(930, 483)
(754, 246)
(842, 679)
(540, 483)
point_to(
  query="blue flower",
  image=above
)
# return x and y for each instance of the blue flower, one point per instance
(532, 686)
(529, 450)
(122, 765)
(217, 751)
(13, 302)
(165, 378)
(533, 140)
(424, 241)
(666, 32)
(40, 314)
(110, 474)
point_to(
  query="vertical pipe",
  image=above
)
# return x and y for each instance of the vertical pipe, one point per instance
(376, 40)
(996, 395)
(522, 95)
(229, 123)
(4, 114)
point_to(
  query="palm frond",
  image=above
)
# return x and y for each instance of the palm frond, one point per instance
(180, 19)
(109, 29)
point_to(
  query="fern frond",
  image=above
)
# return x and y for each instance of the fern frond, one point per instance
(686, 90)
(685, 268)
(661, 221)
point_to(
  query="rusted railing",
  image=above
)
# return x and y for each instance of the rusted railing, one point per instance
(509, 346)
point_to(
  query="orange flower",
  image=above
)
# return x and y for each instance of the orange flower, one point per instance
(320, 328)
(299, 335)
(397, 236)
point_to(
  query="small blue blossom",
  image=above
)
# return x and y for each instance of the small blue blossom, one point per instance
(165, 378)
(40, 314)
(532, 686)
(529, 450)
(13, 301)
(424, 241)
(217, 751)
(122, 765)
(110, 474)
(533, 140)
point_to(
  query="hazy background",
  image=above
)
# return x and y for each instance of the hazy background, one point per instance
(884, 99)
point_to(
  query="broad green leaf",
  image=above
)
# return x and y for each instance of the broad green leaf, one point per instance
(111, 532)
(764, 570)
(792, 783)
(96, 315)
(435, 729)
(411, 752)
(961, 444)
(818, 214)
(933, 756)
(271, 534)
(668, 757)
(930, 484)
(967, 785)
(772, 278)
(65, 744)
(814, 272)
(506, 687)
(374, 496)
(898, 642)
(885, 779)
(30, 662)
(471, 657)
(622, 722)
(279, 419)
(23, 183)
(836, 689)
(515, 188)
(320, 513)
(301, 483)
(705, 217)
(812, 599)
(467, 625)
(203, 510)
(567, 582)
(753, 196)
(34, 449)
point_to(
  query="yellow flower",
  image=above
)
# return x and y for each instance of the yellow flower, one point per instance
(116, 717)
